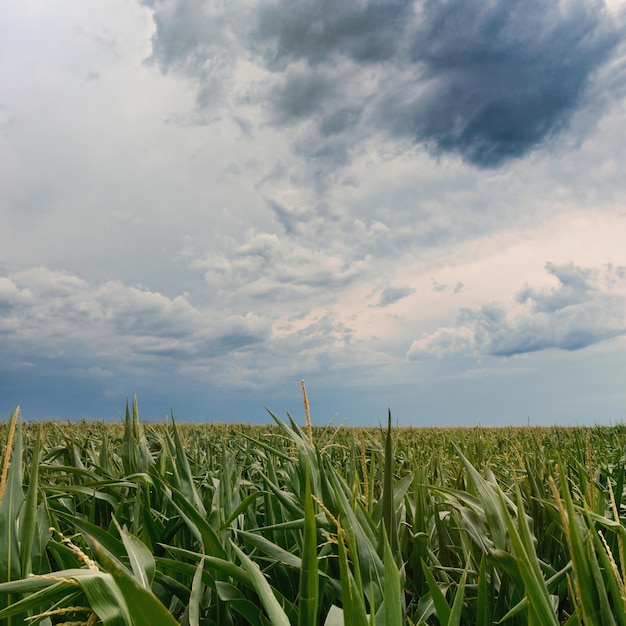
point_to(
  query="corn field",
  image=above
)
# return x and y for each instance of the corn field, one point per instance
(159, 524)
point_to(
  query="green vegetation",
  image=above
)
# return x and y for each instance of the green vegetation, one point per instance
(164, 524)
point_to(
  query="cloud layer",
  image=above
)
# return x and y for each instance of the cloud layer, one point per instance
(488, 81)
(54, 314)
(584, 307)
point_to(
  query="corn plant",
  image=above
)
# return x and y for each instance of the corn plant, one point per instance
(133, 523)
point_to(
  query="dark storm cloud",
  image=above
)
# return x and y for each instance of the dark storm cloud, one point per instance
(500, 77)
(301, 95)
(489, 80)
(194, 39)
(317, 30)
(585, 306)
(188, 34)
(339, 121)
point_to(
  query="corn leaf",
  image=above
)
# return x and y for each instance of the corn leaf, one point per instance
(275, 612)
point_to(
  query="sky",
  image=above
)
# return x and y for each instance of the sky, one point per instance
(414, 205)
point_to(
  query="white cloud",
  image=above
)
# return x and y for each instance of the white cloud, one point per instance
(586, 306)
(279, 268)
(444, 341)
(54, 313)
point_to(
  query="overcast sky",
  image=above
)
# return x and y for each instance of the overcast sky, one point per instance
(413, 204)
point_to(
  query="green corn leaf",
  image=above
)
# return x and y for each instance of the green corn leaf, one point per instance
(275, 612)
(47, 596)
(490, 501)
(613, 581)
(105, 538)
(457, 604)
(441, 606)
(185, 476)
(248, 610)
(10, 505)
(261, 445)
(293, 524)
(141, 559)
(104, 596)
(308, 599)
(143, 606)
(536, 590)
(286, 499)
(243, 506)
(606, 613)
(587, 593)
(352, 595)
(107, 600)
(388, 525)
(400, 489)
(483, 602)
(393, 601)
(129, 450)
(236, 600)
(225, 567)
(196, 521)
(12, 500)
(196, 595)
(30, 515)
(39, 550)
(271, 550)
(358, 527)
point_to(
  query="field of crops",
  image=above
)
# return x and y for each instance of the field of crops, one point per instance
(173, 523)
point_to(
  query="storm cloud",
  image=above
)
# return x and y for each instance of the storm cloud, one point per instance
(501, 77)
(487, 81)
(207, 201)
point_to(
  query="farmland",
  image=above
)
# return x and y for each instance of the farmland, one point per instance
(201, 524)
